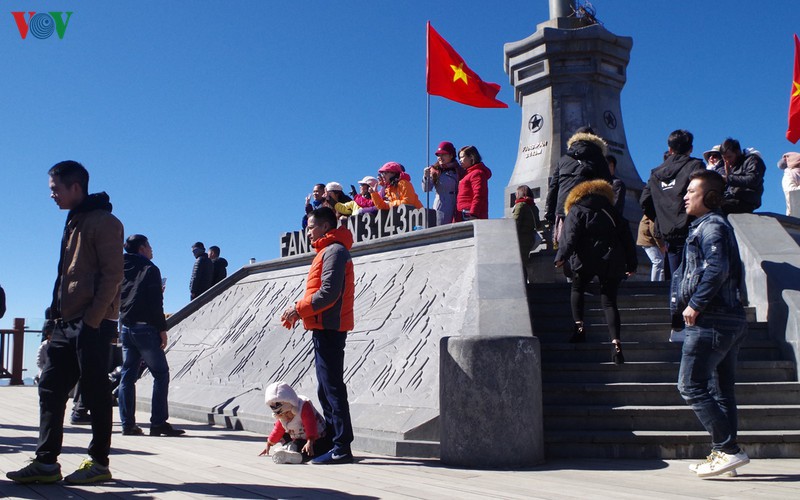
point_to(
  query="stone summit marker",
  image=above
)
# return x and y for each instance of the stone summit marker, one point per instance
(566, 75)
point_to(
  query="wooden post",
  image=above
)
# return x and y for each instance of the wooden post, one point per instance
(18, 346)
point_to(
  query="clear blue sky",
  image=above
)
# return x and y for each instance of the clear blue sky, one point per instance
(211, 120)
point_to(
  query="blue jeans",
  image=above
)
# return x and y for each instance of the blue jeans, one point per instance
(708, 373)
(142, 343)
(332, 391)
(657, 259)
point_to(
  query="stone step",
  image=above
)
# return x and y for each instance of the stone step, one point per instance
(661, 418)
(664, 393)
(747, 371)
(666, 445)
(559, 331)
(752, 350)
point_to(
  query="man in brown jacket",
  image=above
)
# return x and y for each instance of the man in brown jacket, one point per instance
(85, 309)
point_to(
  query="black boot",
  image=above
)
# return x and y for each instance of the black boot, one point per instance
(579, 335)
(616, 355)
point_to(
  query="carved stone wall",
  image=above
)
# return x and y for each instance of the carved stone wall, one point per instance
(411, 290)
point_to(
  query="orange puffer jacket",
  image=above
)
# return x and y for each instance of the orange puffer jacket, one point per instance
(330, 287)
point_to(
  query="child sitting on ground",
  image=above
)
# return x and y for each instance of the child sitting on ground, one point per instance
(299, 427)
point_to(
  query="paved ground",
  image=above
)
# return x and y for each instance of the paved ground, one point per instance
(211, 462)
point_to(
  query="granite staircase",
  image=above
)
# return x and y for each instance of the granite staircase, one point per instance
(593, 408)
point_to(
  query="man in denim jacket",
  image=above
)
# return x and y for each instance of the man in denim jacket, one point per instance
(706, 291)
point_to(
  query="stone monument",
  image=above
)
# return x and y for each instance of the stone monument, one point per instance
(566, 75)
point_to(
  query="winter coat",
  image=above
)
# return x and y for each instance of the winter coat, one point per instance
(585, 160)
(202, 275)
(596, 239)
(446, 186)
(307, 423)
(401, 193)
(90, 268)
(330, 286)
(526, 215)
(790, 164)
(647, 236)
(662, 196)
(473, 193)
(620, 190)
(745, 182)
(220, 270)
(142, 296)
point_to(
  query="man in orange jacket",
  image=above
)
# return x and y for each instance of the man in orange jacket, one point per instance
(327, 310)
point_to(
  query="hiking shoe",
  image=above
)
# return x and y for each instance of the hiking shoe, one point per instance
(287, 457)
(721, 463)
(36, 472)
(89, 472)
(165, 429)
(134, 430)
(333, 457)
(677, 336)
(80, 419)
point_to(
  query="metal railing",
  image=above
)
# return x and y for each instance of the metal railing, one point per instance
(11, 348)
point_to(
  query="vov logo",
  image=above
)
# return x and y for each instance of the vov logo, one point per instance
(42, 24)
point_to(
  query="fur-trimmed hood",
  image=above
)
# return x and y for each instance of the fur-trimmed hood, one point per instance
(590, 138)
(597, 187)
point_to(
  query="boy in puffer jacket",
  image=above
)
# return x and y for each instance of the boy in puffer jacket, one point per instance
(299, 427)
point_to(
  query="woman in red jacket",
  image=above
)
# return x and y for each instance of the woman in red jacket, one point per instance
(473, 190)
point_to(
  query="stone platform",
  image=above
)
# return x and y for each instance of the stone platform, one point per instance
(215, 462)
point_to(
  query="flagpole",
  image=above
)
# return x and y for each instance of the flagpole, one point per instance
(427, 149)
(427, 127)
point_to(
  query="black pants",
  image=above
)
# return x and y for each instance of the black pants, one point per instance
(83, 358)
(608, 300)
(332, 391)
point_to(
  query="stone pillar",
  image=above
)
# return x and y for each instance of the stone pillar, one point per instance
(490, 402)
(566, 75)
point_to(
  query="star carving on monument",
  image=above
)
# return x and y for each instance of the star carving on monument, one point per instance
(796, 89)
(535, 123)
(458, 73)
(610, 119)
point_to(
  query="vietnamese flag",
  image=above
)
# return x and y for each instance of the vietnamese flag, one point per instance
(449, 76)
(793, 132)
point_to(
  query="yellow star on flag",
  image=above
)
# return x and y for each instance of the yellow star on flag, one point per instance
(796, 89)
(458, 73)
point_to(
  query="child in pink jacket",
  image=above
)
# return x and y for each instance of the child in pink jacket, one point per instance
(299, 427)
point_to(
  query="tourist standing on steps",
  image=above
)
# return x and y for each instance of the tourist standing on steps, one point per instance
(85, 309)
(327, 310)
(597, 242)
(584, 161)
(706, 291)
(744, 178)
(144, 338)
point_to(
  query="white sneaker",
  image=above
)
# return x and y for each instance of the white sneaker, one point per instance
(693, 467)
(287, 457)
(677, 336)
(721, 463)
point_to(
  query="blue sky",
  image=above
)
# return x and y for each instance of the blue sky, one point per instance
(211, 120)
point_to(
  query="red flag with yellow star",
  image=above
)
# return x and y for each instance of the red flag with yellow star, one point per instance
(450, 77)
(793, 132)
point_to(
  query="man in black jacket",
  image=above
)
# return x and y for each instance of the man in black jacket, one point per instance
(662, 197)
(744, 178)
(220, 265)
(585, 160)
(202, 273)
(144, 338)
